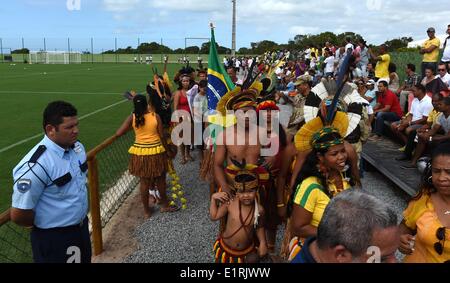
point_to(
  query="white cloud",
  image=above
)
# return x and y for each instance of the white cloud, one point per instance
(280, 20)
(303, 30)
(120, 6)
(188, 5)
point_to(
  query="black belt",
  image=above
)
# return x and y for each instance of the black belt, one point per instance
(55, 229)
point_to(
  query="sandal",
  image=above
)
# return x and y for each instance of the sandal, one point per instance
(169, 208)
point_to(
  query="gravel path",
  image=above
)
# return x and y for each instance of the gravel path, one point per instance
(187, 236)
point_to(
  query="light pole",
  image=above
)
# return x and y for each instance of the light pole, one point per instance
(233, 35)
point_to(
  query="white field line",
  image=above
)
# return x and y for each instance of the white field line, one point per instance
(81, 118)
(57, 72)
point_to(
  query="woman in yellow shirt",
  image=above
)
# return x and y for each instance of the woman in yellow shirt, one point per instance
(426, 224)
(324, 174)
(149, 153)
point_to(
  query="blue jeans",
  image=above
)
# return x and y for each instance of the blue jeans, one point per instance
(384, 116)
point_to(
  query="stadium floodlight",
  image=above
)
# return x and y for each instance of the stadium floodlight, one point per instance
(54, 57)
(233, 33)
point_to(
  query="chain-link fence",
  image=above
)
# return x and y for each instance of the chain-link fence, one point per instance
(109, 186)
(110, 50)
(115, 183)
(14, 242)
(109, 182)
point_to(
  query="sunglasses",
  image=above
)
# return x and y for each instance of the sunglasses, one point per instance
(442, 70)
(440, 235)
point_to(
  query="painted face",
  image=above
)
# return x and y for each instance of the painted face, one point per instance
(247, 119)
(65, 134)
(441, 174)
(336, 157)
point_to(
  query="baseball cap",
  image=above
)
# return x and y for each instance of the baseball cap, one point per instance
(303, 79)
(431, 29)
(370, 82)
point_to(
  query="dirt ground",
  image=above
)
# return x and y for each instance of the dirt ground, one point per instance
(118, 239)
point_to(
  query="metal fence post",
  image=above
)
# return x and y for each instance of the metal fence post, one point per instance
(115, 48)
(68, 47)
(95, 206)
(23, 50)
(92, 50)
(1, 50)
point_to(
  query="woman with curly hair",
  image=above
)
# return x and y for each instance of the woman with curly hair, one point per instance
(149, 153)
(426, 224)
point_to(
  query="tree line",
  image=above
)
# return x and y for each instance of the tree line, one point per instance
(299, 42)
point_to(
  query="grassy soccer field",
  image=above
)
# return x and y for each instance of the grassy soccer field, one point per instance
(95, 90)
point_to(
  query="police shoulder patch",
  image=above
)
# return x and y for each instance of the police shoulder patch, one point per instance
(23, 185)
(77, 147)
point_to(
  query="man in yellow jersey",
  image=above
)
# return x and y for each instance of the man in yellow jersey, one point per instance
(383, 60)
(430, 51)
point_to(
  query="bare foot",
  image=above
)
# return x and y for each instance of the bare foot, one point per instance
(152, 201)
(190, 158)
(169, 208)
(147, 215)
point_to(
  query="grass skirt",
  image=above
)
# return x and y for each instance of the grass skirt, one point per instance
(148, 160)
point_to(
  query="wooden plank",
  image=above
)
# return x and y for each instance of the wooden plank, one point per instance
(4, 217)
(381, 155)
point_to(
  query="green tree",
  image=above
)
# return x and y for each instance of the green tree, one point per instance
(398, 43)
(21, 51)
(192, 50)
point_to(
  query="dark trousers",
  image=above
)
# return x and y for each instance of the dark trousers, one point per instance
(384, 116)
(410, 144)
(432, 65)
(62, 245)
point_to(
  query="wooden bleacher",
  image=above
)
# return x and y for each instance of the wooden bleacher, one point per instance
(381, 155)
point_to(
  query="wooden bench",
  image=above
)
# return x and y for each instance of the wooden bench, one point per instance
(381, 156)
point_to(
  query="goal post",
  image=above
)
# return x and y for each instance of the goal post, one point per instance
(199, 56)
(54, 57)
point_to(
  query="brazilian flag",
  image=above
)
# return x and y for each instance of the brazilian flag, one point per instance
(219, 82)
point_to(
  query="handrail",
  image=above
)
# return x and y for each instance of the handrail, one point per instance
(5, 217)
(94, 200)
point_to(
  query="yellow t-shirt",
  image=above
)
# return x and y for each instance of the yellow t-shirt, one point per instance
(420, 215)
(433, 56)
(310, 196)
(432, 117)
(382, 67)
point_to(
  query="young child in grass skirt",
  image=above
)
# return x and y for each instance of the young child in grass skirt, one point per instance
(149, 153)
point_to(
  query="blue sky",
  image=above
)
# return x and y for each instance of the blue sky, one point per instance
(173, 20)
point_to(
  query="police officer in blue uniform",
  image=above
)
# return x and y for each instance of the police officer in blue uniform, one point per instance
(50, 193)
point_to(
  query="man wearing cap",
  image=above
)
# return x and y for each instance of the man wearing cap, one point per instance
(430, 51)
(303, 86)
